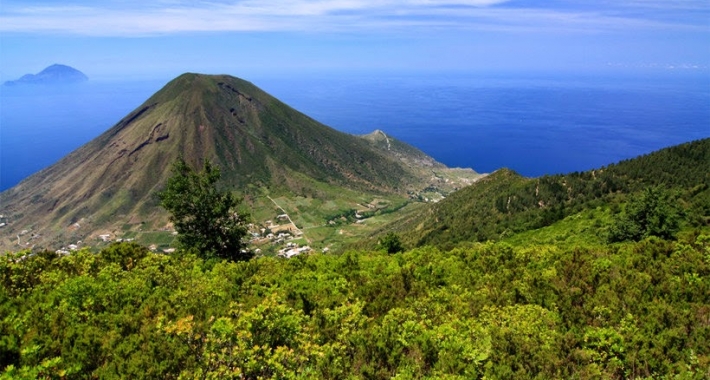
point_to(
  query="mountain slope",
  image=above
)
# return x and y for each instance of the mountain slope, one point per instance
(506, 203)
(255, 139)
(54, 74)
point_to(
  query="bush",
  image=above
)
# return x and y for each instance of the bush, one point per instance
(391, 243)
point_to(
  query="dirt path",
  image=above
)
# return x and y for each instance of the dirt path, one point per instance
(289, 219)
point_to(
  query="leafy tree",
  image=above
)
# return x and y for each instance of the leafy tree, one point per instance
(654, 213)
(391, 243)
(125, 254)
(205, 218)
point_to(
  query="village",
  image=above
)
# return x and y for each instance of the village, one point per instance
(278, 236)
(283, 233)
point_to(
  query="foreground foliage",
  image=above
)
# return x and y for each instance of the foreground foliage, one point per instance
(631, 310)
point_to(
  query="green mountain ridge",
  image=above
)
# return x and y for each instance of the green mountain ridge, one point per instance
(505, 203)
(258, 142)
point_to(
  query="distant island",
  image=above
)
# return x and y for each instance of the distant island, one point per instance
(54, 74)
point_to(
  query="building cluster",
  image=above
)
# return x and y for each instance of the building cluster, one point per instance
(68, 249)
(292, 249)
(106, 238)
(276, 234)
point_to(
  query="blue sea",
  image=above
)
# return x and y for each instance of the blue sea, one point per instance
(533, 124)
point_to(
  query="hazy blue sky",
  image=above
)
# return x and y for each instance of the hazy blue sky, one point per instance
(140, 39)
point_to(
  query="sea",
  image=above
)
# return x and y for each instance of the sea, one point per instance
(535, 124)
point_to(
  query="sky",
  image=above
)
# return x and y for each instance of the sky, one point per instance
(134, 39)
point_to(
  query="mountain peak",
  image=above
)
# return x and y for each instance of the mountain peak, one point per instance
(257, 141)
(52, 75)
(202, 88)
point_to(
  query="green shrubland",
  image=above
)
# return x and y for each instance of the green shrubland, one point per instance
(493, 310)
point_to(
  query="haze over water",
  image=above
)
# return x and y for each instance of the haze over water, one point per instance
(534, 124)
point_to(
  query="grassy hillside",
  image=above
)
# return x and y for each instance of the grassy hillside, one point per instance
(504, 203)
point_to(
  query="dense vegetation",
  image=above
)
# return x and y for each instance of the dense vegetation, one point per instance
(505, 203)
(486, 310)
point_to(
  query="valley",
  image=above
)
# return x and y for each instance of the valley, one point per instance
(330, 222)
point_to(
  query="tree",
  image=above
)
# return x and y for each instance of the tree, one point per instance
(205, 218)
(125, 254)
(391, 243)
(653, 213)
